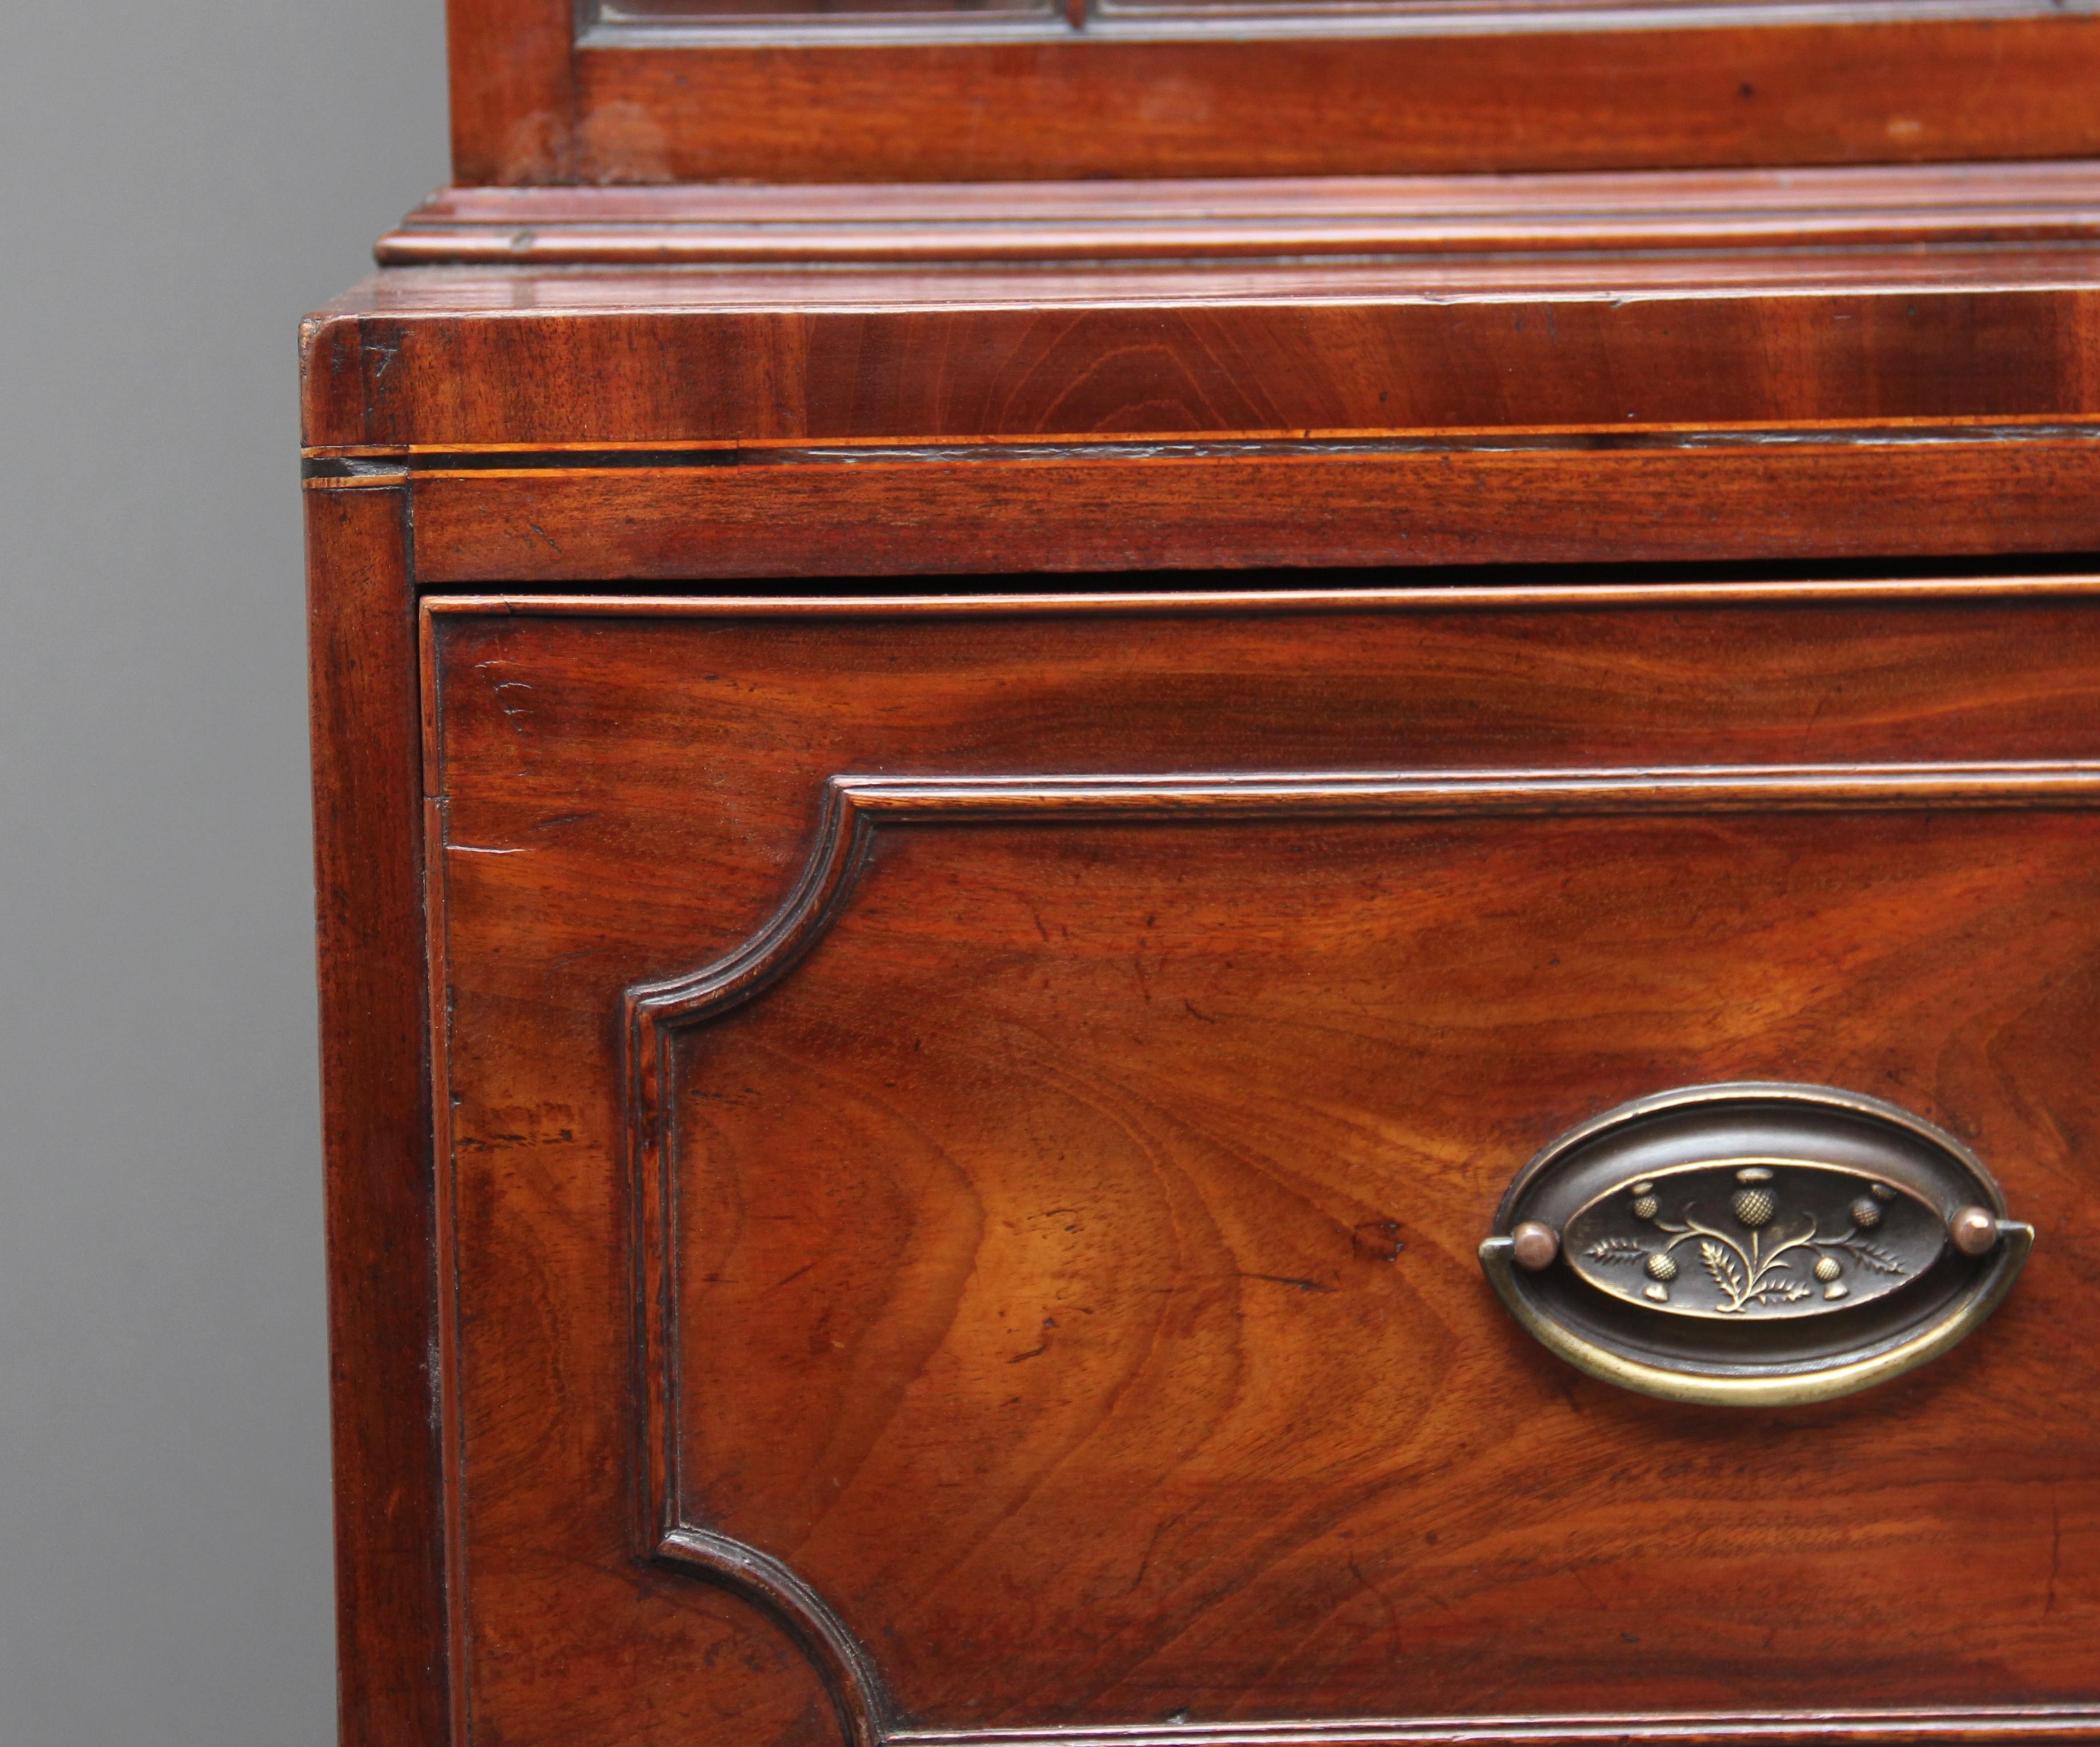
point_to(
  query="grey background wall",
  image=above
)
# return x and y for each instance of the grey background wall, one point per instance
(184, 178)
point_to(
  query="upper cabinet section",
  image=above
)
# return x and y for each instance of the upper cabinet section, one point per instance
(643, 91)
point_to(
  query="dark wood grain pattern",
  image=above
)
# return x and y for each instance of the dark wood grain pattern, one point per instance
(904, 1170)
(1854, 86)
(1072, 1245)
(1024, 1311)
(1152, 220)
(1425, 349)
(885, 514)
(383, 1265)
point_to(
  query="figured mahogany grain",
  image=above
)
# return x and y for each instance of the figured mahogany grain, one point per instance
(1075, 1248)
(1046, 1301)
(1026, 1310)
(1425, 348)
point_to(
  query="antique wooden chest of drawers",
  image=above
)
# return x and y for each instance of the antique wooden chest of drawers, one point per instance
(1306, 955)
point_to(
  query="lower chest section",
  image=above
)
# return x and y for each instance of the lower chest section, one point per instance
(968, 1129)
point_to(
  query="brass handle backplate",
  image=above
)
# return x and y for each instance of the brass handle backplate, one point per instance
(1753, 1243)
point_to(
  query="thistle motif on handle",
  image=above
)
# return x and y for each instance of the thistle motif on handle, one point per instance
(1754, 1264)
(1753, 1243)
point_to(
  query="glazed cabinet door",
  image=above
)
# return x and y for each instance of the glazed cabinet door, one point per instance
(969, 1129)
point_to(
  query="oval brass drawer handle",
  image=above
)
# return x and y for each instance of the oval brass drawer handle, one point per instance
(1752, 1244)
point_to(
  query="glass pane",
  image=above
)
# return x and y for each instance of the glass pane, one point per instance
(616, 12)
(1496, 14)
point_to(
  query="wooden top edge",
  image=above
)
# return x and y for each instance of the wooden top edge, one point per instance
(1505, 597)
(416, 457)
(511, 291)
(395, 463)
(1282, 217)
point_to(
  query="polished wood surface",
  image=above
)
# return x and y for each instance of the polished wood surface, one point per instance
(393, 1653)
(904, 1167)
(1096, 221)
(1690, 498)
(1049, 1273)
(564, 427)
(1547, 404)
(1502, 89)
(1422, 352)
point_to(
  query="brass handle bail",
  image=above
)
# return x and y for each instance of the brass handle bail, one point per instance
(1754, 1242)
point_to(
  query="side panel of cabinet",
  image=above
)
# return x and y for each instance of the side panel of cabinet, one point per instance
(395, 1667)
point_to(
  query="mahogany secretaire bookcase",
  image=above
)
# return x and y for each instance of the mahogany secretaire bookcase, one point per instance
(1208, 872)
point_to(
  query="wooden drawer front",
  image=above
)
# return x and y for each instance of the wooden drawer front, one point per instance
(969, 1128)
